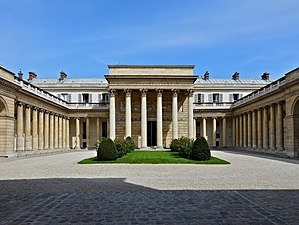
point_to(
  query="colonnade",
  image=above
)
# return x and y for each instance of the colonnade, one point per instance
(159, 116)
(260, 128)
(40, 129)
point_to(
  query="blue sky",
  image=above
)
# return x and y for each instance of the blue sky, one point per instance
(81, 37)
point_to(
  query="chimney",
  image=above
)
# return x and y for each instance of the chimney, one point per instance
(206, 75)
(20, 75)
(236, 76)
(63, 75)
(266, 76)
(32, 76)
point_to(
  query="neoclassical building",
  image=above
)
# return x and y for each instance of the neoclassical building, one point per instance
(151, 104)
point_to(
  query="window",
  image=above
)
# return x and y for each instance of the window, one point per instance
(216, 98)
(105, 97)
(64, 96)
(236, 97)
(200, 98)
(85, 98)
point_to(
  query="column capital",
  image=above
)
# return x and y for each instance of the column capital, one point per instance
(190, 92)
(175, 92)
(42, 110)
(128, 92)
(143, 92)
(112, 92)
(20, 104)
(28, 106)
(159, 92)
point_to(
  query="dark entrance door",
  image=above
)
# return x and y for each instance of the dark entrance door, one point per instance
(152, 133)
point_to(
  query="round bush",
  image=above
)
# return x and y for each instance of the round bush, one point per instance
(129, 144)
(120, 148)
(200, 150)
(185, 146)
(174, 145)
(107, 150)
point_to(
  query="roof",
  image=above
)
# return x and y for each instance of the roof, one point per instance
(151, 66)
(52, 81)
(228, 81)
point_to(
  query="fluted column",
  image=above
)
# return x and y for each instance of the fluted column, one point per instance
(214, 131)
(28, 127)
(41, 130)
(259, 129)
(241, 130)
(204, 127)
(34, 129)
(272, 128)
(159, 119)
(175, 114)
(265, 128)
(143, 119)
(56, 132)
(249, 128)
(190, 114)
(237, 132)
(77, 133)
(87, 133)
(60, 137)
(128, 113)
(20, 121)
(254, 131)
(223, 131)
(280, 145)
(234, 131)
(51, 142)
(244, 130)
(64, 133)
(112, 114)
(67, 133)
(46, 130)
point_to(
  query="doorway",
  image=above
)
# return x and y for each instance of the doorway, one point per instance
(152, 133)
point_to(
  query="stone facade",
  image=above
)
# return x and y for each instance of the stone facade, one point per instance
(153, 105)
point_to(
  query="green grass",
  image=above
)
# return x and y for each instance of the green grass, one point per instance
(154, 157)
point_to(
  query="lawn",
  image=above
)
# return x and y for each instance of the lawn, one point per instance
(154, 157)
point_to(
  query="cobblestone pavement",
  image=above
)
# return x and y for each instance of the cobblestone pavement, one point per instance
(152, 207)
(54, 189)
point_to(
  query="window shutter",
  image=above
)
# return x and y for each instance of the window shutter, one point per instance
(210, 98)
(195, 99)
(90, 98)
(59, 95)
(69, 98)
(221, 98)
(231, 99)
(99, 97)
(202, 98)
(79, 98)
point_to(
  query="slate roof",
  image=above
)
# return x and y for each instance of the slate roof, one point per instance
(228, 81)
(52, 81)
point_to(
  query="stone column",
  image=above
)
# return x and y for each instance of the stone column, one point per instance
(34, 129)
(280, 145)
(237, 132)
(254, 131)
(128, 113)
(98, 129)
(77, 133)
(46, 130)
(194, 128)
(214, 131)
(56, 132)
(112, 114)
(265, 128)
(204, 128)
(241, 130)
(20, 121)
(67, 133)
(87, 133)
(60, 132)
(272, 128)
(143, 119)
(51, 131)
(64, 133)
(249, 134)
(223, 131)
(244, 130)
(259, 129)
(28, 128)
(190, 114)
(175, 114)
(41, 130)
(234, 131)
(159, 119)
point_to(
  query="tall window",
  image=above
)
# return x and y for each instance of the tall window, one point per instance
(216, 98)
(85, 98)
(105, 97)
(236, 97)
(200, 98)
(64, 96)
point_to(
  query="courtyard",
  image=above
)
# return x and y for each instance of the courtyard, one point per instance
(53, 189)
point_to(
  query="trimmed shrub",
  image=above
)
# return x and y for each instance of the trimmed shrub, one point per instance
(200, 150)
(185, 147)
(120, 148)
(107, 150)
(174, 145)
(129, 144)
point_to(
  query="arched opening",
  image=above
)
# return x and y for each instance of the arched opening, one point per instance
(296, 127)
(2, 108)
(3, 114)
